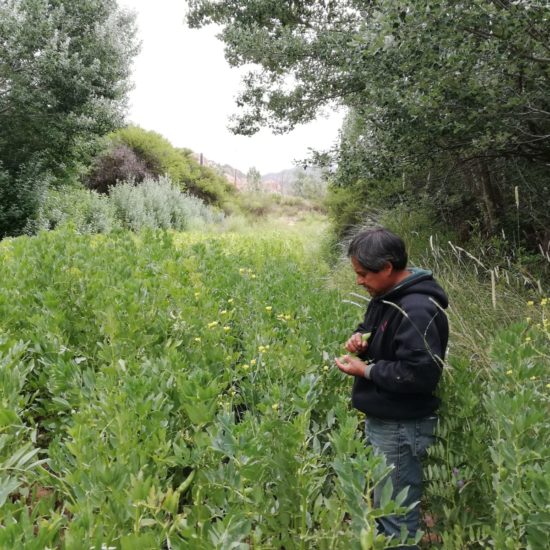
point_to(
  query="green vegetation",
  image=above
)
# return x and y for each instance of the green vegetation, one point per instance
(253, 180)
(168, 389)
(260, 207)
(132, 154)
(153, 204)
(154, 374)
(485, 474)
(146, 378)
(448, 100)
(64, 68)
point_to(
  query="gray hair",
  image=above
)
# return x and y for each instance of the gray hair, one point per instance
(374, 248)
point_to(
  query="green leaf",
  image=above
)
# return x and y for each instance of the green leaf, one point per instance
(386, 493)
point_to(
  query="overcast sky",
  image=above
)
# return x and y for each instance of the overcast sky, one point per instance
(185, 90)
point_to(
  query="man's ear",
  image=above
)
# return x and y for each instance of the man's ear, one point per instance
(388, 268)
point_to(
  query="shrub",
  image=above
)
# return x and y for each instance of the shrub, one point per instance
(159, 204)
(152, 204)
(160, 158)
(346, 207)
(156, 152)
(87, 211)
(207, 184)
(262, 205)
(117, 163)
(21, 197)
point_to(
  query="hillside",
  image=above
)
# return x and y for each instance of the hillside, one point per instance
(283, 182)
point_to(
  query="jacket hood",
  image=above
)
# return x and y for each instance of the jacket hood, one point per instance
(420, 281)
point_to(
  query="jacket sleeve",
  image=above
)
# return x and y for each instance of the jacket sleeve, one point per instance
(419, 348)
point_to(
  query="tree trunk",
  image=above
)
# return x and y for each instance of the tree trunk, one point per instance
(490, 193)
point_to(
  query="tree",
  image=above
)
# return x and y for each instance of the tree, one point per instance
(443, 67)
(64, 70)
(309, 183)
(428, 84)
(253, 180)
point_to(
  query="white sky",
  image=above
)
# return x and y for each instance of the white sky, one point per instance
(185, 90)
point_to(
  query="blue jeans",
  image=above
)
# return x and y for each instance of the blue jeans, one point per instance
(403, 443)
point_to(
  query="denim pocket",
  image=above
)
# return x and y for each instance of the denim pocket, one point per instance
(384, 436)
(425, 434)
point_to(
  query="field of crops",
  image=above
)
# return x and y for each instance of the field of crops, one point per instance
(177, 392)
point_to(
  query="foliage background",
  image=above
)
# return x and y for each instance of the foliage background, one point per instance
(448, 99)
(64, 69)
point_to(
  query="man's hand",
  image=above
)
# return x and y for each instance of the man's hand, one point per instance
(357, 343)
(351, 365)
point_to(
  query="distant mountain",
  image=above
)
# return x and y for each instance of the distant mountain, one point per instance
(232, 174)
(274, 182)
(284, 181)
(279, 182)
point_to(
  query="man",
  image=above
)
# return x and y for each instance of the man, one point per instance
(400, 347)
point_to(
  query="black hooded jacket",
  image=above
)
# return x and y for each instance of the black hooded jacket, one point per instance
(408, 338)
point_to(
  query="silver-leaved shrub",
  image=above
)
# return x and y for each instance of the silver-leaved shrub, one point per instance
(87, 211)
(159, 204)
(154, 204)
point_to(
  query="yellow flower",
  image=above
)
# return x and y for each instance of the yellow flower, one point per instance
(528, 338)
(528, 319)
(226, 328)
(548, 386)
(509, 372)
(530, 303)
(252, 276)
(223, 312)
(230, 301)
(212, 324)
(288, 317)
(253, 362)
(268, 308)
(197, 294)
(275, 406)
(242, 270)
(533, 378)
(197, 339)
(325, 368)
(245, 366)
(544, 301)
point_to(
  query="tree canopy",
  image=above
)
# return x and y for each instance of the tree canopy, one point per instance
(478, 70)
(427, 81)
(64, 75)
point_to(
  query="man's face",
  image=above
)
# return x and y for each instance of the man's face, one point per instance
(376, 283)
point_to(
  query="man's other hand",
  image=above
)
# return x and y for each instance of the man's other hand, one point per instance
(351, 365)
(356, 344)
